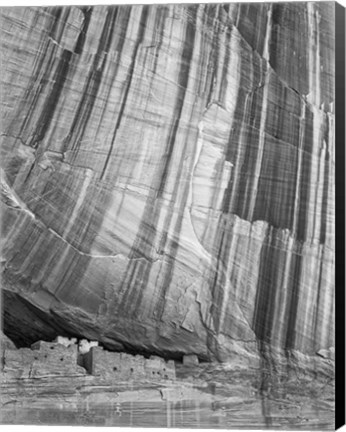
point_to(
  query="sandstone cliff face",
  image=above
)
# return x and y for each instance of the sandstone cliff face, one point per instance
(168, 176)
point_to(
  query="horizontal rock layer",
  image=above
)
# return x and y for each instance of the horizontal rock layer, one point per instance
(44, 385)
(209, 395)
(168, 176)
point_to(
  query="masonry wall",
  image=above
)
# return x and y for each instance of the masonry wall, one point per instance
(157, 368)
(125, 367)
(44, 358)
(51, 358)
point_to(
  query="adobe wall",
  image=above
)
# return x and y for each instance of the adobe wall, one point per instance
(125, 367)
(158, 368)
(112, 365)
(52, 358)
(44, 358)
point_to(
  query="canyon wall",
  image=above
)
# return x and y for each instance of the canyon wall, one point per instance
(168, 176)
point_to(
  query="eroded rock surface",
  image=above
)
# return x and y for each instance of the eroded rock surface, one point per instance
(168, 176)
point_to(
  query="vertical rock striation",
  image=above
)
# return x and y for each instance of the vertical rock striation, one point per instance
(168, 176)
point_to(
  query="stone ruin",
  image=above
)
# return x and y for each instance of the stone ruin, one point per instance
(122, 366)
(66, 356)
(42, 359)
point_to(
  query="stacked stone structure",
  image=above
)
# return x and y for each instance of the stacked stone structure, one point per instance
(125, 367)
(62, 358)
